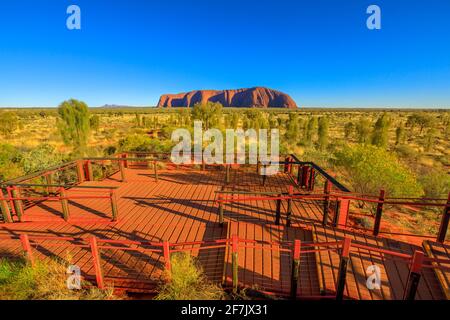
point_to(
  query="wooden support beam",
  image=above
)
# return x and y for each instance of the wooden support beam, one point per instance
(295, 269)
(114, 209)
(123, 176)
(289, 207)
(96, 258)
(278, 211)
(227, 174)
(379, 213)
(25, 240)
(80, 172)
(221, 212)
(312, 179)
(89, 173)
(18, 204)
(326, 202)
(155, 170)
(235, 261)
(414, 276)
(166, 254)
(342, 273)
(64, 204)
(444, 222)
(4, 208)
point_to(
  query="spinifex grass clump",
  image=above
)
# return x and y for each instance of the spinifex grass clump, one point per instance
(187, 281)
(46, 280)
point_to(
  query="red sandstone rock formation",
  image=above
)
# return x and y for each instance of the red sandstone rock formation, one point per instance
(241, 98)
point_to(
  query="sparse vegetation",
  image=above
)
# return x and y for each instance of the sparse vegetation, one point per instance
(186, 281)
(46, 280)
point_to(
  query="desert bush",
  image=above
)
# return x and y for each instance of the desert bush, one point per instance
(363, 130)
(42, 157)
(380, 137)
(322, 133)
(370, 169)
(187, 281)
(46, 280)
(9, 122)
(10, 158)
(209, 113)
(73, 124)
(143, 143)
(435, 182)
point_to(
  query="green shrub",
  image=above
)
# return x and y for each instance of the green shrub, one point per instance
(187, 281)
(46, 280)
(370, 169)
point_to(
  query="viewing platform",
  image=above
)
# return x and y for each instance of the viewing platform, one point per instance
(121, 221)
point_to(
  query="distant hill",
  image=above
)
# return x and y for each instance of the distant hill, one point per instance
(258, 97)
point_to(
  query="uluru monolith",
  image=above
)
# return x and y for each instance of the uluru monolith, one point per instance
(258, 97)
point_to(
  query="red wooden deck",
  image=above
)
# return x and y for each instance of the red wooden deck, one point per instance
(181, 208)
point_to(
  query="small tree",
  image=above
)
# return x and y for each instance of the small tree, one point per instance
(94, 122)
(323, 133)
(348, 130)
(380, 137)
(363, 130)
(399, 134)
(310, 128)
(209, 113)
(73, 124)
(430, 139)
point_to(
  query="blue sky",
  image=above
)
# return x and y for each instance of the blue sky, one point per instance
(320, 52)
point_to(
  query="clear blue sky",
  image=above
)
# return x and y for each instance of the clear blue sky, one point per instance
(320, 52)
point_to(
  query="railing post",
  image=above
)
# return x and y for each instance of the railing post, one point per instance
(295, 269)
(49, 181)
(64, 203)
(155, 170)
(414, 276)
(234, 261)
(264, 173)
(343, 264)
(379, 213)
(326, 202)
(278, 211)
(18, 204)
(312, 180)
(227, 174)
(444, 222)
(25, 240)
(166, 253)
(114, 210)
(89, 173)
(123, 177)
(299, 175)
(220, 211)
(287, 164)
(305, 177)
(97, 262)
(289, 206)
(258, 165)
(125, 162)
(80, 171)
(4, 208)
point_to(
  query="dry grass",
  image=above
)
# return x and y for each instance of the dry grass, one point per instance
(46, 280)
(187, 281)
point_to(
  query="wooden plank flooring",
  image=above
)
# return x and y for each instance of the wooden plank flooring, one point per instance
(181, 207)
